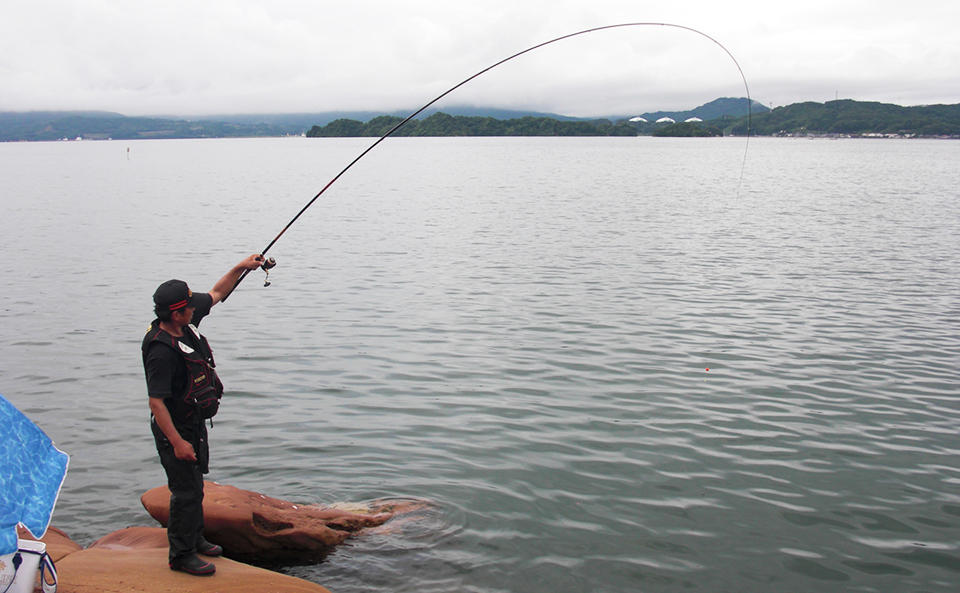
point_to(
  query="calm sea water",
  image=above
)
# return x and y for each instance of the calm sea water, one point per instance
(602, 365)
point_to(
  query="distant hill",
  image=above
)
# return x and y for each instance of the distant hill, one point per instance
(847, 117)
(444, 124)
(30, 125)
(725, 107)
(726, 114)
(480, 122)
(101, 125)
(297, 123)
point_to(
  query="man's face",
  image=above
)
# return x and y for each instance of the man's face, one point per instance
(183, 316)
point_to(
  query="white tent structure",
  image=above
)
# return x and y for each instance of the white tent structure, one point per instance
(692, 119)
(638, 118)
(666, 120)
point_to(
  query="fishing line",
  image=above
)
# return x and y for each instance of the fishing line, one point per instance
(272, 263)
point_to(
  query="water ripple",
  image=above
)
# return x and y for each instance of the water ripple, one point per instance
(597, 370)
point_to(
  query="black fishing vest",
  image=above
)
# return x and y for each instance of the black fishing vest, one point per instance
(201, 396)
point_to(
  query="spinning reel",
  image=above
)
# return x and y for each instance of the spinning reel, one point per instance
(266, 267)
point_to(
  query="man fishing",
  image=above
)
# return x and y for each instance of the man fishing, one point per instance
(184, 390)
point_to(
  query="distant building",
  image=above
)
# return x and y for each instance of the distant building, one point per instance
(638, 118)
(692, 119)
(666, 120)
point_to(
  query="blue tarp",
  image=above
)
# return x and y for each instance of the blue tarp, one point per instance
(32, 471)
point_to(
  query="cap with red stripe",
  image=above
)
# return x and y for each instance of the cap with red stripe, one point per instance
(173, 295)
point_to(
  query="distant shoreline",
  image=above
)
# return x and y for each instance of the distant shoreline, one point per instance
(727, 117)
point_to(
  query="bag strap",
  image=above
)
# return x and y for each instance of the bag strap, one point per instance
(46, 564)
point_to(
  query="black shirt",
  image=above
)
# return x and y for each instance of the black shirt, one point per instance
(166, 372)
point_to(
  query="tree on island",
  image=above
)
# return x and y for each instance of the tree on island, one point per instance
(442, 124)
(687, 130)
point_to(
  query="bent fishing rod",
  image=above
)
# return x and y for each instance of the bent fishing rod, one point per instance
(270, 263)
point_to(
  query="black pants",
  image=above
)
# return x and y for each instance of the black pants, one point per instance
(185, 480)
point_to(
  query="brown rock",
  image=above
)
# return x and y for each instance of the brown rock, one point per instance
(134, 560)
(58, 543)
(245, 522)
(134, 538)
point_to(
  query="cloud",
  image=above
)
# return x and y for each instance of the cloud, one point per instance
(219, 56)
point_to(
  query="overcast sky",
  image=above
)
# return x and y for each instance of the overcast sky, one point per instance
(201, 57)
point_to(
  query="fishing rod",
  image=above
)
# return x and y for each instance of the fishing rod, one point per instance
(270, 263)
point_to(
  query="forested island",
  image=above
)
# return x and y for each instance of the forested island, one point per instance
(853, 118)
(834, 118)
(725, 109)
(722, 117)
(442, 124)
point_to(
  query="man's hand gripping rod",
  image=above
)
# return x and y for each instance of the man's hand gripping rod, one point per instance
(267, 265)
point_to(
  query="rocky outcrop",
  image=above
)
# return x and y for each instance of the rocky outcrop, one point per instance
(134, 560)
(245, 522)
(58, 543)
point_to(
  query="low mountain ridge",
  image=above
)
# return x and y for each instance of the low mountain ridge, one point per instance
(729, 115)
(724, 107)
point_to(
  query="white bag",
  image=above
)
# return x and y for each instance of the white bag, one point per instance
(19, 571)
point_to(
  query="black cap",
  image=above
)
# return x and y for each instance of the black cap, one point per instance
(173, 295)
